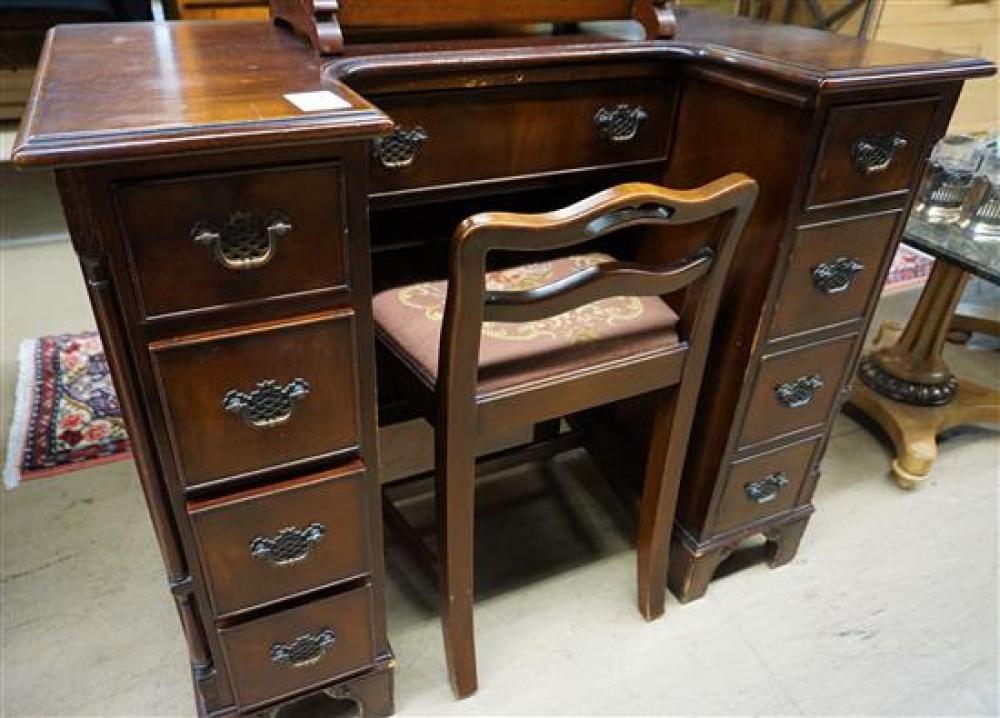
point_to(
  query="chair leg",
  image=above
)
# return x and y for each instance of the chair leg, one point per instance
(659, 502)
(455, 488)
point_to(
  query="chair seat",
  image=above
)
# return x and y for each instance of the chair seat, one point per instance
(408, 320)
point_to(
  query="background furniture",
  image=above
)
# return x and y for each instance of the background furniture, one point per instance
(614, 338)
(23, 24)
(904, 384)
(216, 9)
(839, 15)
(256, 286)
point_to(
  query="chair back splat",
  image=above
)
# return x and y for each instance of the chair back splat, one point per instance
(469, 303)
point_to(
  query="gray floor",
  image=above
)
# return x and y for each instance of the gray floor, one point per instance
(890, 608)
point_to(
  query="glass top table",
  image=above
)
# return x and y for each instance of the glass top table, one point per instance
(978, 255)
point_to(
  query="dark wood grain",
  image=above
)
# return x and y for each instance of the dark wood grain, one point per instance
(239, 579)
(802, 305)
(737, 508)
(195, 374)
(520, 131)
(257, 678)
(90, 115)
(175, 274)
(838, 179)
(177, 86)
(767, 417)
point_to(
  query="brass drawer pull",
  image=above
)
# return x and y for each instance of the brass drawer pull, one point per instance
(304, 650)
(621, 123)
(291, 545)
(800, 392)
(874, 154)
(269, 404)
(399, 148)
(836, 276)
(767, 488)
(243, 241)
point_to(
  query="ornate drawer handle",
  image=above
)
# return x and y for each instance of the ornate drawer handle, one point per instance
(621, 123)
(767, 488)
(800, 392)
(269, 404)
(874, 154)
(291, 545)
(242, 241)
(304, 650)
(399, 148)
(836, 276)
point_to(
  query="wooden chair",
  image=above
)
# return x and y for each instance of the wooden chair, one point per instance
(560, 337)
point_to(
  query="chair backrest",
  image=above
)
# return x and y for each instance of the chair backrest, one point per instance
(729, 200)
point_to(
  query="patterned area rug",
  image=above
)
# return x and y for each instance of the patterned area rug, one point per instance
(66, 413)
(910, 267)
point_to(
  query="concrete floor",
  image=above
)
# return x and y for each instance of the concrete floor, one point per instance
(889, 609)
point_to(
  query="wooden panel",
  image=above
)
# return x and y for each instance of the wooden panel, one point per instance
(509, 132)
(257, 677)
(320, 520)
(224, 12)
(763, 485)
(174, 273)
(803, 303)
(418, 13)
(837, 179)
(195, 374)
(768, 417)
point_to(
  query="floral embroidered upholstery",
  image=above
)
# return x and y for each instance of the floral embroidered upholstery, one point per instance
(408, 321)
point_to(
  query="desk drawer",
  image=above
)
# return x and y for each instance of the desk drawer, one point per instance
(763, 485)
(871, 149)
(266, 544)
(461, 136)
(796, 389)
(832, 273)
(217, 240)
(259, 397)
(297, 649)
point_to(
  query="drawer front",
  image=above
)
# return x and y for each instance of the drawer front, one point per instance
(796, 389)
(275, 656)
(763, 485)
(203, 242)
(264, 545)
(832, 273)
(871, 149)
(259, 397)
(463, 136)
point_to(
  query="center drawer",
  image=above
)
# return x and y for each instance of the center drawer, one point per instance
(260, 397)
(263, 545)
(449, 137)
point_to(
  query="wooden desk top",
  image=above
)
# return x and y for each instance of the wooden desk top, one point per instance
(130, 90)
(105, 91)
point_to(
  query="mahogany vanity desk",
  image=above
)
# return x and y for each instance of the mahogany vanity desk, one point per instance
(230, 243)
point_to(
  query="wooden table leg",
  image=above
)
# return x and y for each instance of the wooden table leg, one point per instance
(907, 388)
